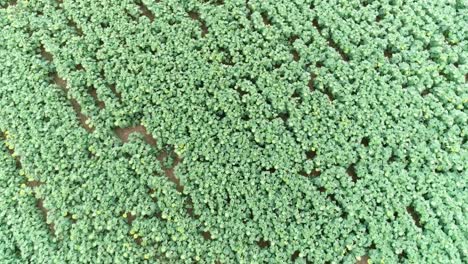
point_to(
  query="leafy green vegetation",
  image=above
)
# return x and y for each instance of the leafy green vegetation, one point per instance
(306, 131)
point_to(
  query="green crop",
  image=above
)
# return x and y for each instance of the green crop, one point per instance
(205, 131)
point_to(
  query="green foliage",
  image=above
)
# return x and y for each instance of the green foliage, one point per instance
(305, 131)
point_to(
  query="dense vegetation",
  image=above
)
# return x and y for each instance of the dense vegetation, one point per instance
(307, 131)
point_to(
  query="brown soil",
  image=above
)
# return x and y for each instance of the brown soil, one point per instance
(364, 260)
(114, 90)
(351, 171)
(189, 207)
(311, 81)
(99, 103)
(414, 215)
(146, 12)
(62, 83)
(123, 134)
(263, 243)
(33, 184)
(77, 29)
(206, 235)
(44, 211)
(46, 55)
(196, 16)
(170, 171)
(130, 218)
(76, 106)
